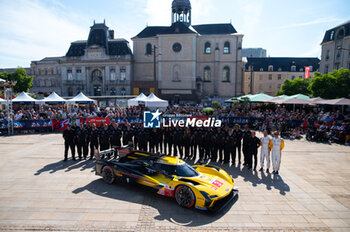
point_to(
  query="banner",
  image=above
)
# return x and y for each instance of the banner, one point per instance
(307, 72)
(98, 121)
(28, 125)
(60, 125)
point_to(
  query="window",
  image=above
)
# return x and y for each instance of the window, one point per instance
(326, 69)
(293, 68)
(123, 91)
(348, 65)
(270, 76)
(300, 77)
(311, 68)
(123, 74)
(79, 74)
(279, 77)
(70, 91)
(293, 77)
(176, 73)
(207, 48)
(226, 75)
(270, 86)
(301, 70)
(113, 76)
(69, 75)
(279, 69)
(328, 54)
(207, 74)
(78, 90)
(97, 75)
(336, 66)
(148, 49)
(270, 68)
(260, 77)
(227, 48)
(261, 69)
(332, 35)
(338, 53)
(49, 71)
(113, 92)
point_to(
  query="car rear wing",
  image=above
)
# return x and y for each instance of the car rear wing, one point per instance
(121, 152)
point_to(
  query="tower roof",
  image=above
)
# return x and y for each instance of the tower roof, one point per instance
(181, 4)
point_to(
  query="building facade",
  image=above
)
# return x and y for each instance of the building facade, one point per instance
(266, 75)
(98, 66)
(253, 52)
(336, 48)
(188, 62)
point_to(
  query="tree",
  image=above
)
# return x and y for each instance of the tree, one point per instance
(295, 86)
(332, 85)
(24, 82)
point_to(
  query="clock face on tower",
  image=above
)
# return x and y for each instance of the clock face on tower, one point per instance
(177, 47)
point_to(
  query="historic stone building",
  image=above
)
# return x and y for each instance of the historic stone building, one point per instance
(266, 75)
(98, 66)
(336, 48)
(188, 62)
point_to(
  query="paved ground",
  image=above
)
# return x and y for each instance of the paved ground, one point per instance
(40, 192)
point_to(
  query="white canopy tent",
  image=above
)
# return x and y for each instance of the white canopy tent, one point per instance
(135, 101)
(154, 102)
(24, 99)
(2, 101)
(81, 99)
(53, 99)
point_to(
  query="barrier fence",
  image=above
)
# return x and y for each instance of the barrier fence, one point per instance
(60, 125)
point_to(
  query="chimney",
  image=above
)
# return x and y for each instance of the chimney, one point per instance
(111, 34)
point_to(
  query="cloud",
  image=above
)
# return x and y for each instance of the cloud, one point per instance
(158, 12)
(312, 22)
(34, 30)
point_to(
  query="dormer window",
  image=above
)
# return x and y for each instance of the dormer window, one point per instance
(301, 70)
(261, 70)
(293, 68)
(207, 48)
(270, 68)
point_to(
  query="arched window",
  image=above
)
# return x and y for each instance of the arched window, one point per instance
(293, 68)
(96, 75)
(227, 48)
(148, 49)
(78, 90)
(226, 74)
(113, 92)
(270, 68)
(123, 91)
(176, 73)
(207, 74)
(207, 48)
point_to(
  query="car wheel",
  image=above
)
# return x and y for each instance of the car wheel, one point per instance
(184, 196)
(107, 174)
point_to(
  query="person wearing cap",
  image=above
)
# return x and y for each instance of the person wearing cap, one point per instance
(266, 145)
(277, 147)
(68, 135)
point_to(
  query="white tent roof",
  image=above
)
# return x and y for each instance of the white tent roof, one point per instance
(24, 98)
(81, 99)
(153, 101)
(53, 98)
(135, 101)
(2, 101)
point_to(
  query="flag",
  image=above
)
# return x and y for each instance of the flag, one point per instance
(307, 72)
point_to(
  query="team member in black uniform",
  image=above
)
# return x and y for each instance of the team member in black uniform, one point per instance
(177, 140)
(94, 136)
(115, 134)
(104, 138)
(230, 142)
(254, 144)
(136, 136)
(208, 138)
(187, 142)
(153, 140)
(68, 135)
(81, 138)
(168, 141)
(143, 138)
(88, 132)
(197, 143)
(246, 134)
(237, 133)
(127, 135)
(220, 143)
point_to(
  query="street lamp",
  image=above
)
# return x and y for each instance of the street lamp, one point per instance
(251, 67)
(154, 49)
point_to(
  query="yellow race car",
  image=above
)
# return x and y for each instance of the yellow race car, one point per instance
(202, 186)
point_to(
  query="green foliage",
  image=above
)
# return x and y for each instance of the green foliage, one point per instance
(24, 82)
(295, 86)
(332, 85)
(216, 104)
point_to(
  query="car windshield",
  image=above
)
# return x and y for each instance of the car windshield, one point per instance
(183, 170)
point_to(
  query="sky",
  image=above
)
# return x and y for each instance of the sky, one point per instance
(35, 29)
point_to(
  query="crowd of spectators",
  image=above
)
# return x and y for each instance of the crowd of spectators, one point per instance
(313, 123)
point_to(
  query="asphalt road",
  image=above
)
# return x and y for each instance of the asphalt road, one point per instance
(38, 191)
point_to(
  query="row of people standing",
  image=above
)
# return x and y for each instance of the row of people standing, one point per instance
(209, 144)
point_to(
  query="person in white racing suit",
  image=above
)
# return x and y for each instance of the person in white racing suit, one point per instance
(277, 147)
(266, 145)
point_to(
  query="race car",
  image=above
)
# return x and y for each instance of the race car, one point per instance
(202, 186)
